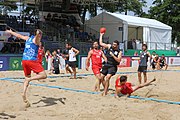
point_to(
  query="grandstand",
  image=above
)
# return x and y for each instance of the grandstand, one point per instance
(58, 25)
(60, 21)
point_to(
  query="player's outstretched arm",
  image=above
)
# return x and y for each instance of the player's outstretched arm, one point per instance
(17, 35)
(117, 92)
(101, 42)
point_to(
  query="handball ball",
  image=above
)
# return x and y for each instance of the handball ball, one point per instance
(102, 30)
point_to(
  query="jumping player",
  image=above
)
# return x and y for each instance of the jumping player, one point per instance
(30, 60)
(113, 55)
(41, 53)
(72, 58)
(126, 88)
(96, 56)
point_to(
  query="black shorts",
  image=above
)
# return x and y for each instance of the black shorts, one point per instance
(153, 65)
(162, 65)
(109, 70)
(66, 62)
(56, 71)
(142, 69)
(72, 64)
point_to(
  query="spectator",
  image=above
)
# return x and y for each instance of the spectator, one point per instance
(130, 46)
(134, 44)
(153, 56)
(17, 45)
(178, 51)
(49, 16)
(162, 62)
(55, 63)
(155, 62)
(136, 53)
(48, 57)
(59, 52)
(10, 44)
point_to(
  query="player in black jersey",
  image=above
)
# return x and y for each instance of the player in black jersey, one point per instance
(113, 55)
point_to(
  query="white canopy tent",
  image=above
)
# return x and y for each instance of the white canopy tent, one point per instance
(120, 27)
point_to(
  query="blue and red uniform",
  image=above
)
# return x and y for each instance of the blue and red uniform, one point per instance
(30, 60)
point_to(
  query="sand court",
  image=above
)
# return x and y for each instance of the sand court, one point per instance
(75, 100)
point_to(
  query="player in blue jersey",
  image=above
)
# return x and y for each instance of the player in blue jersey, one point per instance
(30, 60)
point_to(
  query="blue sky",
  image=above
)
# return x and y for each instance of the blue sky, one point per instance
(149, 3)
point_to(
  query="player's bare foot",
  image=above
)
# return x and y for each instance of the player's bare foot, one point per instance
(73, 77)
(27, 104)
(26, 101)
(24, 98)
(104, 94)
(154, 79)
(97, 90)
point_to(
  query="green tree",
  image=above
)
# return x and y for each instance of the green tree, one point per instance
(168, 12)
(113, 6)
(125, 6)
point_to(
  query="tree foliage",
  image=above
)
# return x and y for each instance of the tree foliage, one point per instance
(120, 6)
(168, 12)
(125, 5)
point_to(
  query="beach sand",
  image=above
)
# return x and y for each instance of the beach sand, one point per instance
(58, 104)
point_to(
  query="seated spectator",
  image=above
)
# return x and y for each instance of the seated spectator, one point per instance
(59, 52)
(90, 37)
(136, 53)
(153, 56)
(130, 46)
(10, 39)
(17, 45)
(162, 62)
(134, 44)
(10, 44)
(155, 62)
(49, 16)
(82, 35)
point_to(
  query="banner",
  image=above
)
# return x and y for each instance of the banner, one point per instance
(125, 62)
(44, 64)
(174, 61)
(134, 62)
(4, 63)
(15, 63)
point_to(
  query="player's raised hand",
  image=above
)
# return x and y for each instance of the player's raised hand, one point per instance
(101, 34)
(8, 31)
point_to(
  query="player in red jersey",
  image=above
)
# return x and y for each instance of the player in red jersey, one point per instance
(96, 56)
(41, 53)
(126, 88)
